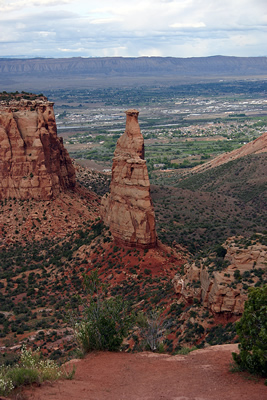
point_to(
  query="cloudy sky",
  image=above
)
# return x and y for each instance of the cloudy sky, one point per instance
(91, 28)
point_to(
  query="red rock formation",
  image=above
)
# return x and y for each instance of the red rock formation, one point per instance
(33, 161)
(128, 209)
(219, 290)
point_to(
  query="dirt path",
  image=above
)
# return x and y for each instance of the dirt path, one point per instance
(201, 375)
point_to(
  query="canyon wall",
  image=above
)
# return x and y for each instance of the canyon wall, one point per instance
(33, 161)
(128, 209)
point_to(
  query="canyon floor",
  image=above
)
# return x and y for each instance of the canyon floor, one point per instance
(201, 375)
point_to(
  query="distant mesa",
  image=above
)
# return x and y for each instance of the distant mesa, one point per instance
(33, 161)
(128, 209)
(135, 66)
(80, 72)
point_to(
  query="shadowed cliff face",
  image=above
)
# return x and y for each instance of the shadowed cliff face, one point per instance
(128, 209)
(33, 161)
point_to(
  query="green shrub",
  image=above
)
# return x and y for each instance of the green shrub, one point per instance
(105, 321)
(21, 376)
(252, 331)
(6, 384)
(237, 274)
(30, 369)
(220, 251)
(186, 350)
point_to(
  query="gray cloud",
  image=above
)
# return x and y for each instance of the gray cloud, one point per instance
(161, 27)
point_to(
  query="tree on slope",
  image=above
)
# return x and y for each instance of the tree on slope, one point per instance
(105, 322)
(252, 331)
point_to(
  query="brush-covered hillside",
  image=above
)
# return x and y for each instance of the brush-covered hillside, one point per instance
(204, 209)
(48, 246)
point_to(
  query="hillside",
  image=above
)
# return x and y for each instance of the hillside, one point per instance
(204, 209)
(257, 146)
(49, 245)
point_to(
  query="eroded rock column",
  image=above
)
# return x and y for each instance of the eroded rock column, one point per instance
(128, 209)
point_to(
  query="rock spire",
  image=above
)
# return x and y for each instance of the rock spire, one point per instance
(33, 161)
(128, 209)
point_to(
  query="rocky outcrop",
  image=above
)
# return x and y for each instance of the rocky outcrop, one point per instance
(33, 161)
(221, 285)
(128, 209)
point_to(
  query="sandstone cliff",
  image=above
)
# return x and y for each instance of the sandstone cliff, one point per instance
(128, 209)
(33, 161)
(221, 283)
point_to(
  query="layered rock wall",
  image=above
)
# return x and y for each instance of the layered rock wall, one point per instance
(33, 161)
(128, 209)
(223, 291)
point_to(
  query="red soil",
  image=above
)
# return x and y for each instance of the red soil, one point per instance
(201, 375)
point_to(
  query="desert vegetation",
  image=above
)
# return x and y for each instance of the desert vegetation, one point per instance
(203, 210)
(76, 285)
(105, 322)
(141, 281)
(251, 330)
(30, 368)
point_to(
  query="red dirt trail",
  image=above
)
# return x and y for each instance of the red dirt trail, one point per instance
(200, 375)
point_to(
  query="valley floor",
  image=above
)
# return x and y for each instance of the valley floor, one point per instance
(201, 375)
